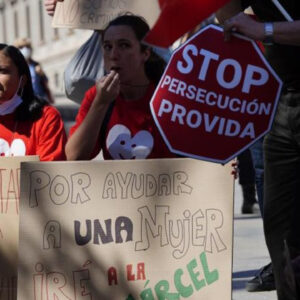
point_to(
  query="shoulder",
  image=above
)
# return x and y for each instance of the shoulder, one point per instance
(88, 98)
(50, 112)
(91, 93)
(50, 123)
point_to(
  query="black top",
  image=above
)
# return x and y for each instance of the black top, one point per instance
(284, 59)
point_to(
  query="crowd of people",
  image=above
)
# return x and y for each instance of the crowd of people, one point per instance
(117, 108)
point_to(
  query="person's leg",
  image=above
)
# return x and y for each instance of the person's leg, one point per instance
(264, 279)
(258, 164)
(282, 179)
(247, 181)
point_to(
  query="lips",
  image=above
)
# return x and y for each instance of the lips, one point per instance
(115, 68)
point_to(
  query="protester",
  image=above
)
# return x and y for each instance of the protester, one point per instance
(50, 6)
(38, 77)
(123, 96)
(28, 126)
(282, 144)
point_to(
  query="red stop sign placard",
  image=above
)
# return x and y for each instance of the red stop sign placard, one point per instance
(215, 98)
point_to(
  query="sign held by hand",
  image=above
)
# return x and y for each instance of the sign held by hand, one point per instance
(215, 98)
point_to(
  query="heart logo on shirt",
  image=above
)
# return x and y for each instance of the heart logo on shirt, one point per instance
(17, 148)
(121, 145)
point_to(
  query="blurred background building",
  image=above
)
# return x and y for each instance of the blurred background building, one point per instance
(52, 47)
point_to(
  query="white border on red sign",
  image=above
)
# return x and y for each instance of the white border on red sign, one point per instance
(248, 145)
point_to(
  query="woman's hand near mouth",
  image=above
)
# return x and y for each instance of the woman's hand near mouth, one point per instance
(108, 87)
(115, 69)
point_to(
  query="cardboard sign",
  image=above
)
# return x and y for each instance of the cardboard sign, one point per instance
(96, 14)
(9, 223)
(148, 229)
(218, 97)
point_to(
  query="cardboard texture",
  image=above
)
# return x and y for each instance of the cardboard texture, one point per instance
(9, 223)
(90, 14)
(145, 229)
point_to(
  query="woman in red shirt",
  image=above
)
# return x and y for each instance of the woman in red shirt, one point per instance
(28, 126)
(133, 70)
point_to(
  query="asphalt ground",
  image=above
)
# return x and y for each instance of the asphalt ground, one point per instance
(250, 252)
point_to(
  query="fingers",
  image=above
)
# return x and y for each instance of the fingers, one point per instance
(108, 87)
(50, 6)
(115, 83)
(234, 172)
(234, 24)
(229, 27)
(110, 80)
(245, 25)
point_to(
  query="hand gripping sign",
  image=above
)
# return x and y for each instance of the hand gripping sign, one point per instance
(215, 98)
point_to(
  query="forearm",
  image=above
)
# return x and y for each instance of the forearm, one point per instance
(82, 143)
(287, 33)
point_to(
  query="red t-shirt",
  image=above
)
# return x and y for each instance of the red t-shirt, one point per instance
(130, 133)
(45, 137)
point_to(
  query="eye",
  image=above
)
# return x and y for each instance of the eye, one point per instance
(107, 47)
(124, 45)
(3, 70)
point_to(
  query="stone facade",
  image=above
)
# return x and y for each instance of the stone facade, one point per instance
(52, 47)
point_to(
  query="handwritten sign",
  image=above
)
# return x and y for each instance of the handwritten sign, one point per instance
(9, 223)
(96, 14)
(148, 229)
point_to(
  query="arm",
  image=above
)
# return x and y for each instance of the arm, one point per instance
(50, 6)
(235, 20)
(82, 143)
(287, 33)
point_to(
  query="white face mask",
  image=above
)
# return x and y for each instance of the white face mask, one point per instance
(10, 105)
(26, 52)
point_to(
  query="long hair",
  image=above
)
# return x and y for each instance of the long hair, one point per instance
(31, 107)
(155, 65)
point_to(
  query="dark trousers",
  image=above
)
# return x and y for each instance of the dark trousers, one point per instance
(258, 163)
(245, 167)
(282, 194)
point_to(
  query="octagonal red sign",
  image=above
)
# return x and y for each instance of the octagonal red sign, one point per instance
(215, 98)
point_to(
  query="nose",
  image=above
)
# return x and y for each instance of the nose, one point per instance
(114, 53)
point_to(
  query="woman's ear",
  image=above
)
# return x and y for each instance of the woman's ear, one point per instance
(147, 53)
